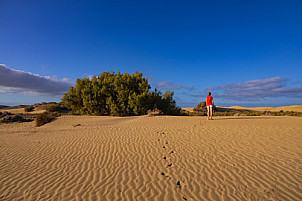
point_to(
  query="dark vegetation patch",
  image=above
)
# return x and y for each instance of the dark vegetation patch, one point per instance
(3, 106)
(29, 108)
(53, 110)
(13, 107)
(52, 107)
(46, 117)
(7, 117)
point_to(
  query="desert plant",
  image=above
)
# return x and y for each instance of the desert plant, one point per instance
(56, 107)
(12, 118)
(3, 114)
(153, 112)
(45, 118)
(29, 108)
(202, 107)
(117, 94)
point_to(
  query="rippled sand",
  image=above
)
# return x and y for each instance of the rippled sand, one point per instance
(143, 158)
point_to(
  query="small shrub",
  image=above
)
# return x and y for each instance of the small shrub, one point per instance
(154, 112)
(74, 113)
(29, 108)
(56, 108)
(184, 113)
(45, 118)
(12, 118)
(202, 106)
(3, 114)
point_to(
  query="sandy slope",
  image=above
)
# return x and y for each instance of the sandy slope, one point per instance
(111, 158)
(21, 110)
(295, 108)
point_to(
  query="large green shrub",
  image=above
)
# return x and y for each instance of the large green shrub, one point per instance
(117, 94)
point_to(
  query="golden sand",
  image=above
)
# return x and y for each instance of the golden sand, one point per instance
(122, 158)
(21, 111)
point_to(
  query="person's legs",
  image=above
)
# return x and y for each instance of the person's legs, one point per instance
(208, 109)
(211, 111)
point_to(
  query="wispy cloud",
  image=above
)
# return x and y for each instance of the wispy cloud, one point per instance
(168, 85)
(257, 89)
(16, 81)
(297, 82)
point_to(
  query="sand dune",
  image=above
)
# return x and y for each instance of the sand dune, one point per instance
(21, 110)
(295, 108)
(143, 158)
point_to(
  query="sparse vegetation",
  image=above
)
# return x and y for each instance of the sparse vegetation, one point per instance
(56, 107)
(45, 118)
(7, 117)
(200, 110)
(201, 107)
(29, 108)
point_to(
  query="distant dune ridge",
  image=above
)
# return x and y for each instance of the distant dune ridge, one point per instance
(295, 108)
(152, 158)
(3, 106)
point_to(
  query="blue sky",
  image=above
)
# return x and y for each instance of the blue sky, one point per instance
(248, 53)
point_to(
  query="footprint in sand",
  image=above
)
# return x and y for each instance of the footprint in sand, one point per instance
(164, 174)
(170, 165)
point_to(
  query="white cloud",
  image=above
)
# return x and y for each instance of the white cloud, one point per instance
(257, 89)
(16, 81)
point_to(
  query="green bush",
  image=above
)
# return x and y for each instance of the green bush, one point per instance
(45, 118)
(117, 95)
(56, 107)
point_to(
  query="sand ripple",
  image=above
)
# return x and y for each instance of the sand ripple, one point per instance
(114, 158)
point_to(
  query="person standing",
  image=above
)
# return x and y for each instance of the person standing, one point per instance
(210, 105)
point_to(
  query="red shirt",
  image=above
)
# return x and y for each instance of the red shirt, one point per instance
(209, 100)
